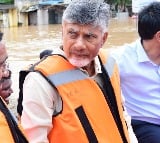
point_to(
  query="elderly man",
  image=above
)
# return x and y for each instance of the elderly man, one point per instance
(73, 96)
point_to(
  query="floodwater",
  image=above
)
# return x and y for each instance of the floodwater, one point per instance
(25, 43)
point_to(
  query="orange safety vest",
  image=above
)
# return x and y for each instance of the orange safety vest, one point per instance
(5, 133)
(10, 131)
(85, 116)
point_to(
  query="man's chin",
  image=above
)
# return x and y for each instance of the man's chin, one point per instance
(79, 63)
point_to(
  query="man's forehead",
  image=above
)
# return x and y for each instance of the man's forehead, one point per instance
(78, 27)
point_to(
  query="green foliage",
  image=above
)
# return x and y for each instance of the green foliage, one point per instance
(6, 1)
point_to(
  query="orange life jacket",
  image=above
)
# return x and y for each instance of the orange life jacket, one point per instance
(10, 130)
(86, 115)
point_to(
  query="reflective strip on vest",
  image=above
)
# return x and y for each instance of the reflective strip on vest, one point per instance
(67, 76)
(71, 75)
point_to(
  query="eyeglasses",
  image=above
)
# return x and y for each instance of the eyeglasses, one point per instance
(4, 65)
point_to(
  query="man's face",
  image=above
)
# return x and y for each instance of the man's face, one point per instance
(3, 58)
(81, 43)
(6, 89)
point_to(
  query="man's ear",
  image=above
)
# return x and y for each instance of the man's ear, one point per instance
(157, 35)
(62, 30)
(105, 35)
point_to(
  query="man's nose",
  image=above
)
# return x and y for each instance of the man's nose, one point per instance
(80, 43)
(5, 72)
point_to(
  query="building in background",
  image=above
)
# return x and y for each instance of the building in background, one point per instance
(8, 13)
(40, 12)
(31, 12)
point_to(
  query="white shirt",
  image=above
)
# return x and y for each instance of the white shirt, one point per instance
(140, 82)
(40, 98)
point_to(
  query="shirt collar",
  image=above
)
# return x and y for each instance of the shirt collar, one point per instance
(141, 54)
(97, 65)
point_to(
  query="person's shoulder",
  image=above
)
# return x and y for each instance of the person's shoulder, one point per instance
(117, 52)
(34, 76)
(123, 50)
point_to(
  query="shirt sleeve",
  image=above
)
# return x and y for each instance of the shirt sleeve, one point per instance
(39, 100)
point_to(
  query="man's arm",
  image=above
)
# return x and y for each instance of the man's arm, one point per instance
(38, 107)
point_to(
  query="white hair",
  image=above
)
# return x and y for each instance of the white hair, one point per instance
(95, 12)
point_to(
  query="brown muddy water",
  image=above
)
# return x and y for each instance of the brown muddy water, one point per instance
(25, 43)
